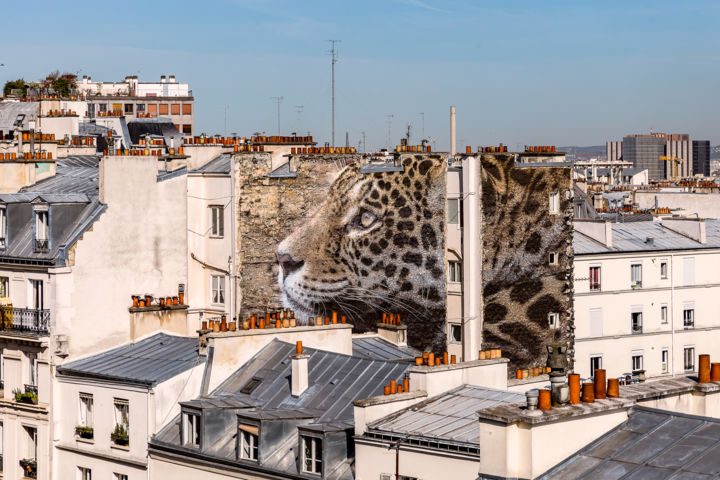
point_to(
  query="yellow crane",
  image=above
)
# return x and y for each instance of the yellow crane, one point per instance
(675, 162)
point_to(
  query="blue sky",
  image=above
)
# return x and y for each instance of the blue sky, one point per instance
(519, 72)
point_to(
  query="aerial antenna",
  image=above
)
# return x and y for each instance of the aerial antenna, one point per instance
(299, 110)
(333, 61)
(389, 124)
(279, 101)
(407, 134)
(364, 143)
(422, 115)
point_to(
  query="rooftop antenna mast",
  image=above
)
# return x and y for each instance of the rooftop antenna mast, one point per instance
(279, 101)
(364, 144)
(299, 110)
(407, 134)
(389, 124)
(333, 56)
(422, 115)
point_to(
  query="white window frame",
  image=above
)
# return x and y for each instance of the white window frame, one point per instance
(249, 442)
(664, 360)
(85, 409)
(217, 221)
(454, 271)
(120, 476)
(689, 349)
(595, 287)
(316, 457)
(3, 226)
(4, 287)
(663, 266)
(553, 320)
(598, 358)
(31, 449)
(191, 429)
(637, 360)
(554, 203)
(663, 313)
(217, 289)
(636, 321)
(32, 368)
(36, 294)
(84, 473)
(42, 224)
(121, 410)
(636, 282)
(553, 259)
(455, 219)
(453, 328)
(688, 317)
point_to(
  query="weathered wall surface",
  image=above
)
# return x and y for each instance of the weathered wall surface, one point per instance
(357, 240)
(520, 286)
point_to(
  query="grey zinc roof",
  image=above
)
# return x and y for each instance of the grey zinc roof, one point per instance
(380, 349)
(147, 362)
(77, 174)
(632, 237)
(9, 112)
(450, 417)
(219, 164)
(651, 444)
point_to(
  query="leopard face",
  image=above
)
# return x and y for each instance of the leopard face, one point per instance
(375, 245)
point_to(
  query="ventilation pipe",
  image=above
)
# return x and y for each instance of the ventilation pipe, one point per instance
(299, 372)
(452, 130)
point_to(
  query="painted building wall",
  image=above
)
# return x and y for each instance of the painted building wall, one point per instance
(521, 287)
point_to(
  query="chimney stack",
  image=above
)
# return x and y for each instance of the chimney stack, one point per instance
(162, 78)
(299, 372)
(452, 130)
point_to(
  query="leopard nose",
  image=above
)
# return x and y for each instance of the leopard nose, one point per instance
(288, 264)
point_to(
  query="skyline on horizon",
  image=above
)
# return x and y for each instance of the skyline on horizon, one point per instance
(521, 74)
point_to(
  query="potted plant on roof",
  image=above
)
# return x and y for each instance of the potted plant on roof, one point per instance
(120, 435)
(29, 466)
(25, 397)
(83, 431)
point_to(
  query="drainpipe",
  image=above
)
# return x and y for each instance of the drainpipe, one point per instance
(233, 289)
(672, 314)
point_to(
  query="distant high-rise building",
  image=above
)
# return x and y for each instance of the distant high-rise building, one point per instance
(644, 151)
(701, 156)
(613, 151)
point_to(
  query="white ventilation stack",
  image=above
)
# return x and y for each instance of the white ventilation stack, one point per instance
(299, 371)
(452, 130)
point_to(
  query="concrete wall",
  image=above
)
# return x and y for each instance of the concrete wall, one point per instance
(441, 378)
(520, 287)
(704, 205)
(141, 238)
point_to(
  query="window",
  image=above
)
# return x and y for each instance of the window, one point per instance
(453, 211)
(311, 455)
(139, 108)
(455, 333)
(41, 230)
(553, 320)
(636, 322)
(175, 109)
(636, 275)
(102, 107)
(554, 203)
(85, 418)
(128, 108)
(117, 107)
(36, 295)
(187, 109)
(84, 473)
(663, 270)
(4, 287)
(191, 429)
(689, 359)
(217, 221)
(163, 109)
(595, 279)
(663, 314)
(552, 258)
(120, 476)
(30, 442)
(595, 364)
(688, 318)
(596, 322)
(248, 442)
(637, 362)
(187, 129)
(122, 414)
(3, 227)
(217, 292)
(454, 271)
(688, 271)
(664, 356)
(152, 108)
(32, 371)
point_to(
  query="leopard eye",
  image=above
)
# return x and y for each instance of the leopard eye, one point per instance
(367, 219)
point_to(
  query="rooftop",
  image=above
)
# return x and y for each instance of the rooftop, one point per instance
(377, 348)
(149, 361)
(450, 417)
(219, 164)
(650, 444)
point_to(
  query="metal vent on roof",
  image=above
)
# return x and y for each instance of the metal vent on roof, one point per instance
(251, 385)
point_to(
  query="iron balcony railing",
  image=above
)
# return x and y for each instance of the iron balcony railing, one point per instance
(30, 320)
(31, 389)
(42, 245)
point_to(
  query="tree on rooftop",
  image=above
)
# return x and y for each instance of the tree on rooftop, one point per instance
(63, 84)
(18, 84)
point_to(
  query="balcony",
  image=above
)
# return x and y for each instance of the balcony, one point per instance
(28, 320)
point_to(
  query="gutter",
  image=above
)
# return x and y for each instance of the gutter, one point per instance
(207, 265)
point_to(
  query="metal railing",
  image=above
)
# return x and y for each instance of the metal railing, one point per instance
(42, 245)
(31, 389)
(24, 319)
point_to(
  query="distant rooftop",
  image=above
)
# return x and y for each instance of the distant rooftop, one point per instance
(147, 362)
(219, 164)
(377, 348)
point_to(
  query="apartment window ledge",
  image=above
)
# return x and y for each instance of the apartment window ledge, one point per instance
(115, 446)
(89, 441)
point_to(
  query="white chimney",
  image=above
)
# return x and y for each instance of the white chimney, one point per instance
(162, 78)
(299, 371)
(452, 130)
(172, 79)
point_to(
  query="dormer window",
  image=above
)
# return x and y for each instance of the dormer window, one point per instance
(3, 226)
(248, 438)
(191, 429)
(42, 229)
(311, 449)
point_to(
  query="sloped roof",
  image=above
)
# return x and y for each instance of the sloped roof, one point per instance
(219, 164)
(650, 444)
(9, 112)
(147, 362)
(450, 417)
(378, 348)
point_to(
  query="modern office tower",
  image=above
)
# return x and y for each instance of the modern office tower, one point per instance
(613, 150)
(644, 151)
(701, 156)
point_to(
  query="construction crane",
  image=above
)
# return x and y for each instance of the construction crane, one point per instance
(675, 162)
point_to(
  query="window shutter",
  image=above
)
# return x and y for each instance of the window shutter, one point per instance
(596, 326)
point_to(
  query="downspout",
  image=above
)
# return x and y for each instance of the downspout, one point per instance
(672, 313)
(233, 289)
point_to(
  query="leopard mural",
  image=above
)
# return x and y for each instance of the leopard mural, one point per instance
(376, 244)
(523, 284)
